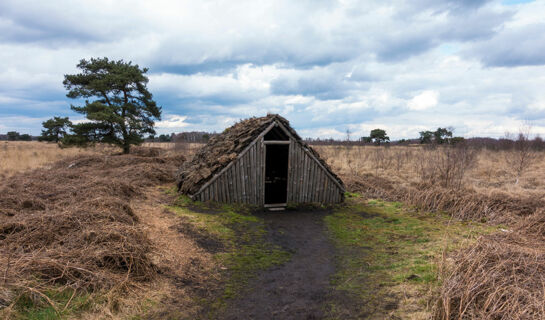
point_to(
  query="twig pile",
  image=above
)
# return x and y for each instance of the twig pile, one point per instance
(464, 204)
(502, 276)
(73, 224)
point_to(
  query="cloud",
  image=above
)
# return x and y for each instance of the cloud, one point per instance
(173, 122)
(427, 99)
(326, 66)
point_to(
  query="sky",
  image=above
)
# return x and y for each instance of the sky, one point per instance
(477, 66)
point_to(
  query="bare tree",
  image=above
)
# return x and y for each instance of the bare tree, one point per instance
(521, 156)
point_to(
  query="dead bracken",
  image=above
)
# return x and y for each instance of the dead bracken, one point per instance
(73, 224)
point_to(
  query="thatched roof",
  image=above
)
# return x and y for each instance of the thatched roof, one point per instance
(224, 148)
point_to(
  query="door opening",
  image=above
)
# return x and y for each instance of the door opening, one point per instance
(276, 173)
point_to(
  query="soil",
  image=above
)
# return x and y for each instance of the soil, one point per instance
(186, 267)
(299, 288)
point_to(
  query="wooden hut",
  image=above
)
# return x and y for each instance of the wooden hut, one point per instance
(260, 161)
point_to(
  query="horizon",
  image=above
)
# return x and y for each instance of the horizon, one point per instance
(327, 67)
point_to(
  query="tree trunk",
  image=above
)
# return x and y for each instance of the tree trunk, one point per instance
(126, 148)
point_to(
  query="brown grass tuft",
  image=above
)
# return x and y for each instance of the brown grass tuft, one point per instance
(73, 225)
(502, 276)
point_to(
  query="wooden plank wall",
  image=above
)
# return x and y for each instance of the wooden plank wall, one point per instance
(307, 181)
(244, 181)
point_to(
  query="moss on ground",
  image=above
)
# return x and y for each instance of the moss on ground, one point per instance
(63, 303)
(390, 256)
(244, 236)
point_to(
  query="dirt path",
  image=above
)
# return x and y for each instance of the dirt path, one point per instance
(185, 269)
(299, 288)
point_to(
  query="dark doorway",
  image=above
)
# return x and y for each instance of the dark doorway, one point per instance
(276, 173)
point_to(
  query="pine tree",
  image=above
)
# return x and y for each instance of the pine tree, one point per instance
(123, 109)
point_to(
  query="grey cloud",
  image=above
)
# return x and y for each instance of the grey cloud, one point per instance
(522, 46)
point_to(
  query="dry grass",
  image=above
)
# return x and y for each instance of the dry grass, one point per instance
(501, 276)
(491, 170)
(19, 156)
(470, 184)
(72, 225)
(188, 149)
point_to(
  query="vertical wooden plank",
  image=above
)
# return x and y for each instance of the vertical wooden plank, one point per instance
(263, 171)
(231, 185)
(297, 178)
(216, 191)
(234, 198)
(239, 181)
(228, 185)
(249, 166)
(301, 175)
(310, 190)
(248, 181)
(309, 177)
(288, 187)
(236, 181)
(315, 184)
(242, 179)
(260, 183)
(263, 164)
(333, 193)
(223, 189)
(304, 180)
(328, 192)
(319, 185)
(253, 172)
(218, 183)
(247, 177)
(326, 186)
(211, 192)
(257, 173)
(293, 177)
(290, 171)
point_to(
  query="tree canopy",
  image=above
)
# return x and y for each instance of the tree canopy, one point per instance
(55, 129)
(378, 136)
(439, 136)
(13, 135)
(123, 109)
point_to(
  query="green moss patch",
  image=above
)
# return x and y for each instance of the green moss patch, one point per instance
(390, 255)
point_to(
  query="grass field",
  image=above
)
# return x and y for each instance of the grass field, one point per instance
(487, 171)
(422, 235)
(18, 156)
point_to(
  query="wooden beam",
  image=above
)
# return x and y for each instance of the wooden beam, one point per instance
(276, 142)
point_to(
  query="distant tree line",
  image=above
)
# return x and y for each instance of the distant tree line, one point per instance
(16, 136)
(440, 136)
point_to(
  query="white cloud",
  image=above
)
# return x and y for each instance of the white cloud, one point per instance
(327, 65)
(173, 122)
(427, 99)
